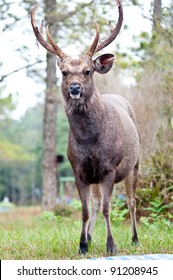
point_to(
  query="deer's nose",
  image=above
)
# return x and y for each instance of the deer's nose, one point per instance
(75, 90)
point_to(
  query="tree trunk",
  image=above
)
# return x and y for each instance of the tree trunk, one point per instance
(157, 13)
(49, 182)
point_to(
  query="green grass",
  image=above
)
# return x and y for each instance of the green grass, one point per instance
(27, 233)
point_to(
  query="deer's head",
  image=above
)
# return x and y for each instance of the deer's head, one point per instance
(77, 72)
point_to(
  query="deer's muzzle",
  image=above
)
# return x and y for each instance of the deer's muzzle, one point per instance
(75, 90)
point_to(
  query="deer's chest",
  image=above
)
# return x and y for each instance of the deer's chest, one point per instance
(91, 165)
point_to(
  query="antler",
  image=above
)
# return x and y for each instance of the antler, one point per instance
(57, 50)
(95, 47)
(52, 47)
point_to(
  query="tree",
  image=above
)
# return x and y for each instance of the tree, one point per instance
(157, 13)
(49, 136)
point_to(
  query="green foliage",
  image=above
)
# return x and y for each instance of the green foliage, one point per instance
(155, 197)
(158, 215)
(119, 212)
(20, 156)
(28, 130)
(156, 223)
(158, 175)
(14, 152)
(157, 208)
(63, 211)
(68, 211)
(17, 181)
(6, 105)
(146, 194)
(162, 166)
(49, 216)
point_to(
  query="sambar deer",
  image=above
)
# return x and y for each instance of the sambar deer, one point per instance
(104, 142)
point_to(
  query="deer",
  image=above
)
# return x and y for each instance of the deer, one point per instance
(104, 140)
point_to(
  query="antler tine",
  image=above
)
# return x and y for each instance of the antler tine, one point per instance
(52, 47)
(114, 31)
(57, 50)
(93, 47)
(38, 34)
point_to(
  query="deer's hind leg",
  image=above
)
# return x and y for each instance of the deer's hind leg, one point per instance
(130, 186)
(96, 204)
(107, 188)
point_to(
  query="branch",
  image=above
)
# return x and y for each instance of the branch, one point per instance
(146, 17)
(78, 8)
(18, 69)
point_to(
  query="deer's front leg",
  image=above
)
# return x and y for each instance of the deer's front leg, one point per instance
(85, 196)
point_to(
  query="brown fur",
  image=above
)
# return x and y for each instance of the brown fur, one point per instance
(103, 146)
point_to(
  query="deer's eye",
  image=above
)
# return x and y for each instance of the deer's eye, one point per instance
(87, 72)
(64, 73)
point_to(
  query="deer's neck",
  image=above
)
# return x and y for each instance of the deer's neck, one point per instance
(86, 119)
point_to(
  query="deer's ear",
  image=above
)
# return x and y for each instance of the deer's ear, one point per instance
(103, 63)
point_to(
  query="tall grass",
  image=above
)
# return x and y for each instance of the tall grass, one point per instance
(28, 233)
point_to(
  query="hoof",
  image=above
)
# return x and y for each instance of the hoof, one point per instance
(89, 237)
(83, 249)
(111, 247)
(111, 250)
(135, 240)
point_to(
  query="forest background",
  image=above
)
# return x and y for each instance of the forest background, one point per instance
(143, 73)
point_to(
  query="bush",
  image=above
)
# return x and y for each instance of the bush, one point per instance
(155, 192)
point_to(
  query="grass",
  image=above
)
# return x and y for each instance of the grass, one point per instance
(28, 233)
